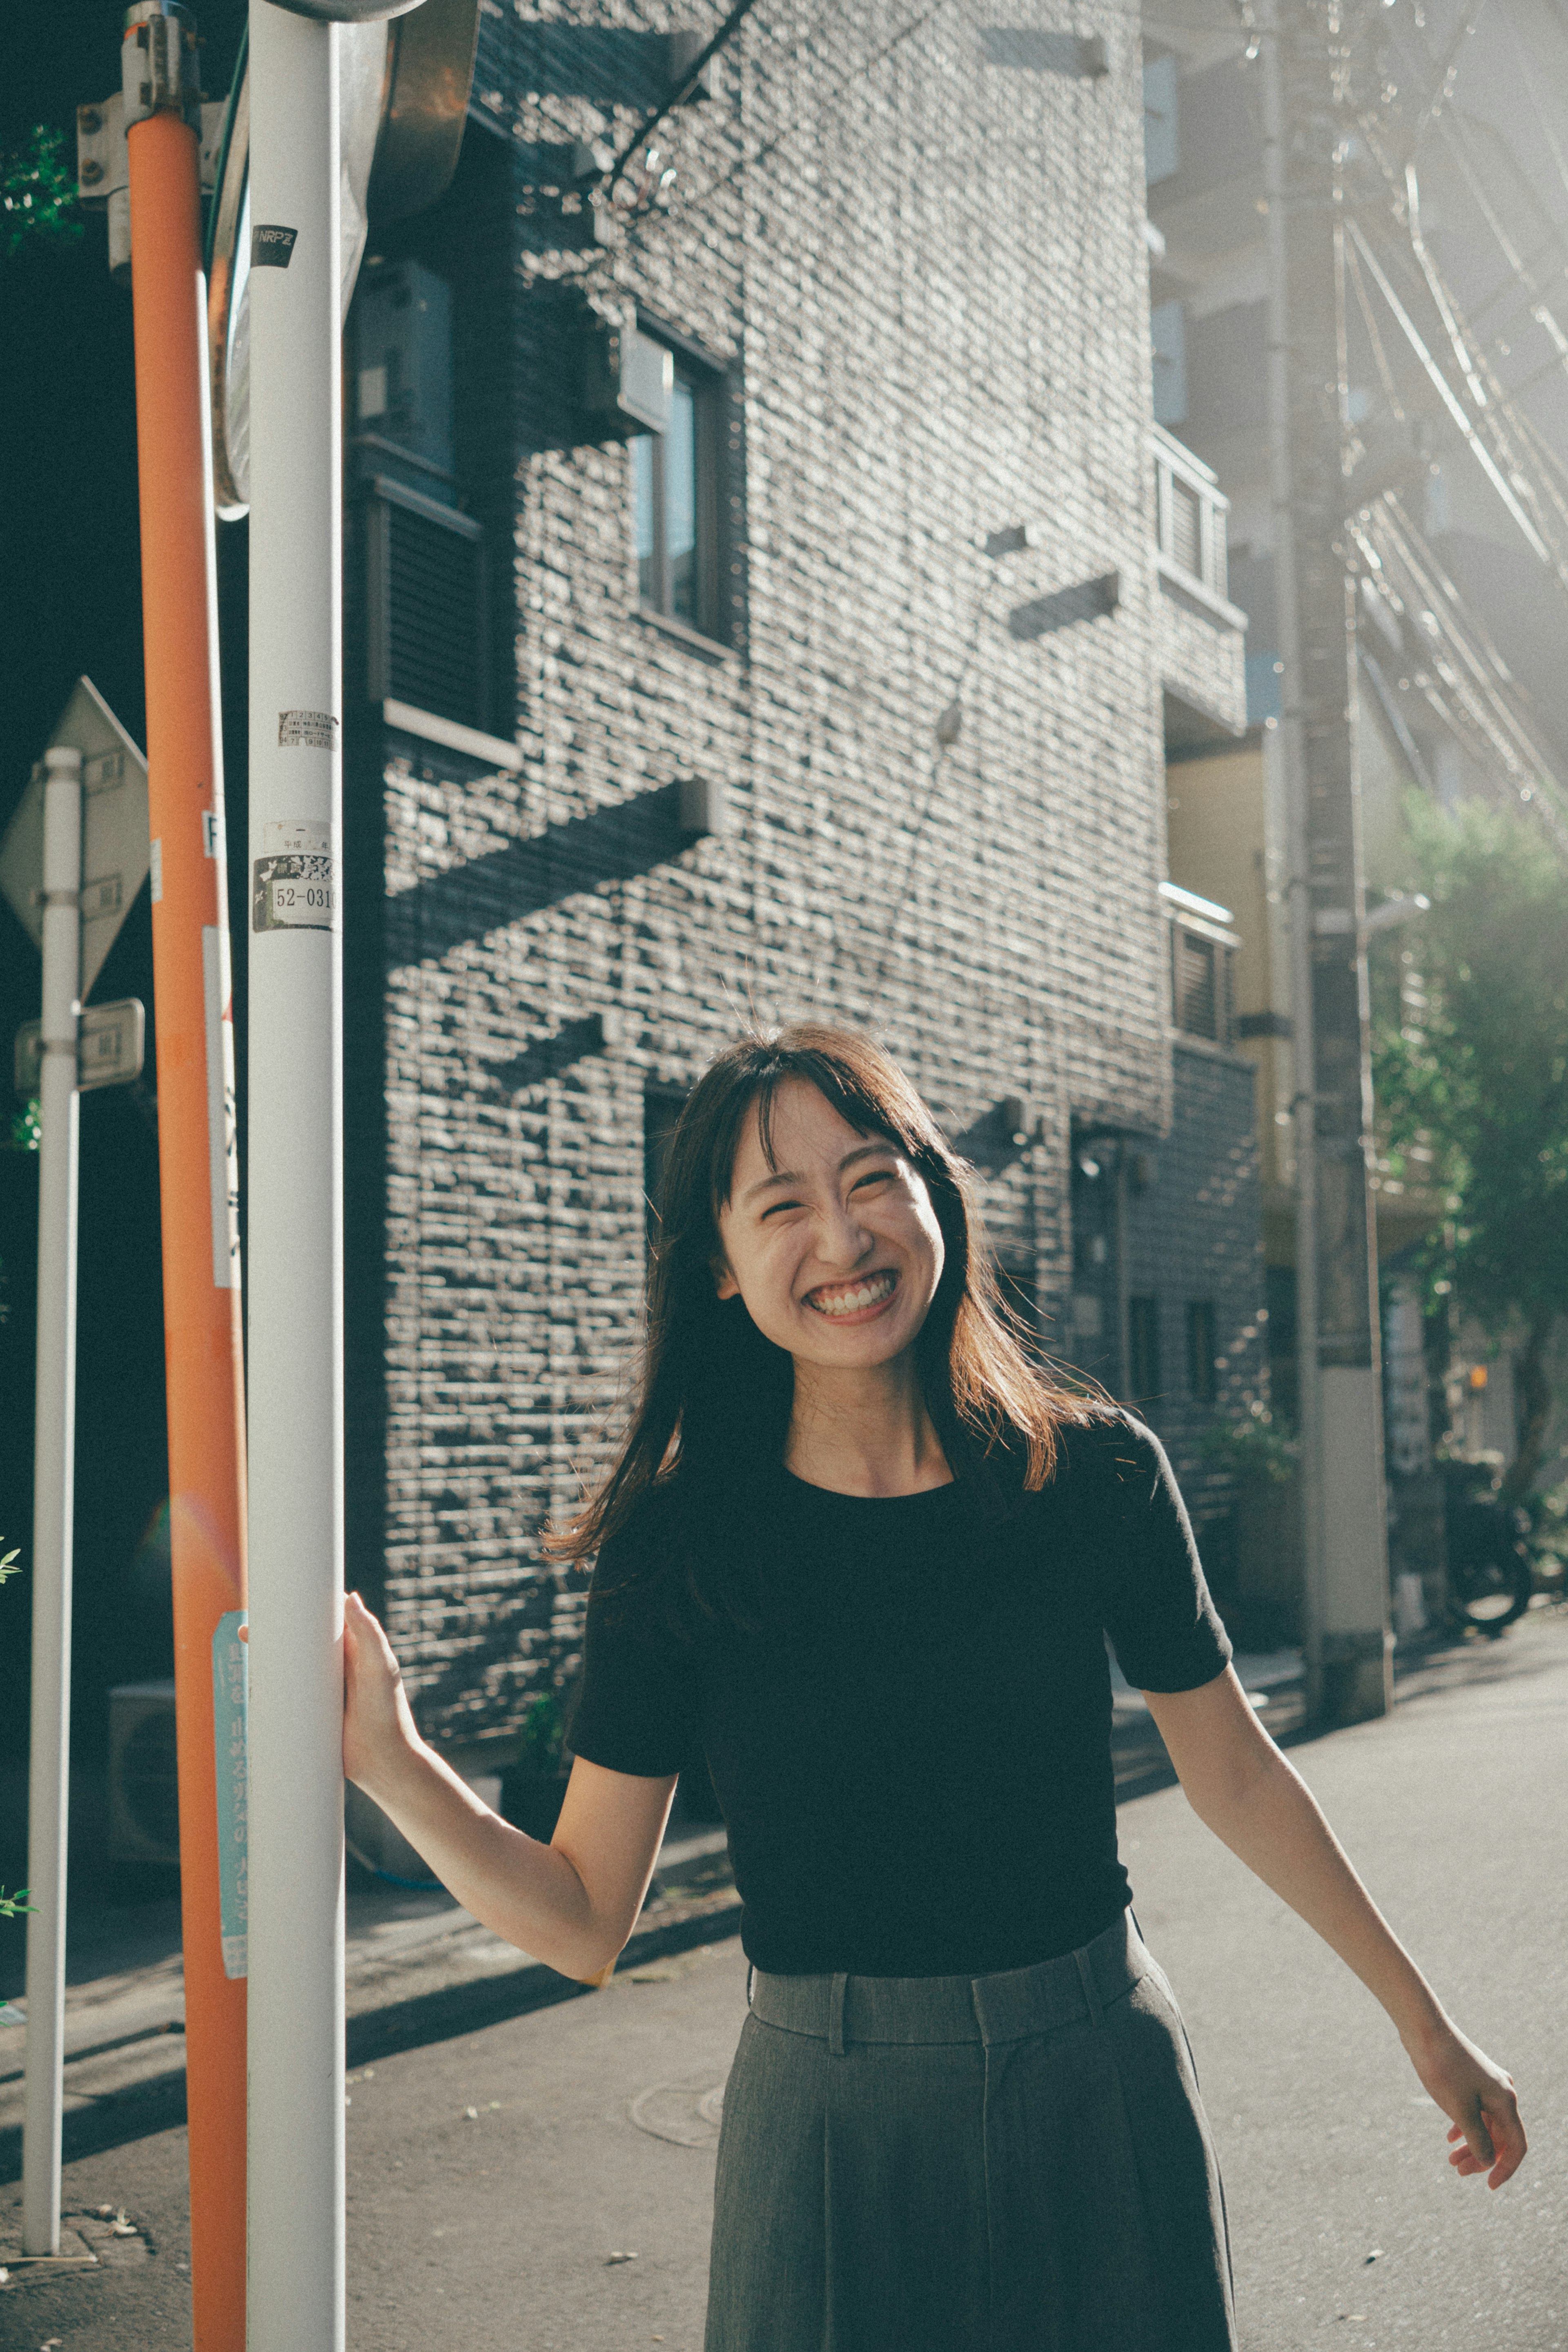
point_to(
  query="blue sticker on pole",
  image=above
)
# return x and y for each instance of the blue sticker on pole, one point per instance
(231, 1705)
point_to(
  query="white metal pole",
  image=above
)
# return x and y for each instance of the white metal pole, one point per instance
(54, 1457)
(1309, 1404)
(295, 2291)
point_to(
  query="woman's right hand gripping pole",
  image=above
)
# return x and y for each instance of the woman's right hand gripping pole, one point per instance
(571, 1903)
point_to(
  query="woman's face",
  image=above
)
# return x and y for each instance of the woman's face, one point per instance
(835, 1249)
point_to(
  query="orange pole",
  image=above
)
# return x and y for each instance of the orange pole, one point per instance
(195, 1151)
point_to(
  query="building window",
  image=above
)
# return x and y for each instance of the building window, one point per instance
(677, 507)
(1191, 515)
(1162, 121)
(425, 605)
(1202, 1371)
(1167, 335)
(1143, 1349)
(1196, 988)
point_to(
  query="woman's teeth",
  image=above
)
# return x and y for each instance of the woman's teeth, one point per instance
(868, 1293)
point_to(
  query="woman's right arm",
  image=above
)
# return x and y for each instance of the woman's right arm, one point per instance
(571, 1903)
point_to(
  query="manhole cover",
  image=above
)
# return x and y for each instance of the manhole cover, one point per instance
(687, 2113)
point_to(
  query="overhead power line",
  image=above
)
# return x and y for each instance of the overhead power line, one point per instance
(1450, 401)
(682, 90)
(748, 163)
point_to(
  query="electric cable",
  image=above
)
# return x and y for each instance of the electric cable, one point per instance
(945, 745)
(681, 91)
(744, 163)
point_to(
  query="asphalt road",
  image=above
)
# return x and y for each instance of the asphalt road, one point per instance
(588, 2137)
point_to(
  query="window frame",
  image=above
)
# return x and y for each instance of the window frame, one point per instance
(706, 379)
(1144, 1347)
(1202, 1335)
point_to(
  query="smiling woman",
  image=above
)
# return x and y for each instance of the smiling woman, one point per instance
(804, 1171)
(850, 1514)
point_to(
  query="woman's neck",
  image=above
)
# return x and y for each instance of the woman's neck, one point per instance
(864, 1433)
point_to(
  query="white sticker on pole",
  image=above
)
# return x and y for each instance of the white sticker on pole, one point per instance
(222, 1146)
(231, 1703)
(295, 882)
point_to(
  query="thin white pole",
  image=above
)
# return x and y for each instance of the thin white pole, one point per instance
(1293, 754)
(295, 2289)
(53, 1458)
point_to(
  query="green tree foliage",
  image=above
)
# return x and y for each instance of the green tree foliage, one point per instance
(1480, 1077)
(38, 192)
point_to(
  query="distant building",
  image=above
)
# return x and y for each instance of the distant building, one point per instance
(1456, 539)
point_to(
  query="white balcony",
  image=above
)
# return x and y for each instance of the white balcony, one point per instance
(1202, 651)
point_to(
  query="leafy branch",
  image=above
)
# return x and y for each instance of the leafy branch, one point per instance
(1470, 1067)
(1259, 1449)
(38, 192)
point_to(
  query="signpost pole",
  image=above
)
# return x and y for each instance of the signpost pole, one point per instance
(198, 1173)
(54, 1462)
(296, 2298)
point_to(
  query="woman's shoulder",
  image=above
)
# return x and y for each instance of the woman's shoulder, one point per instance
(1094, 1430)
(642, 1538)
(1107, 1454)
(641, 1582)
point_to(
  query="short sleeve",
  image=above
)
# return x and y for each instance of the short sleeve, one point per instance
(1163, 1626)
(638, 1709)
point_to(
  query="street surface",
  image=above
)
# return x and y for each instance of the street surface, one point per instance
(495, 2177)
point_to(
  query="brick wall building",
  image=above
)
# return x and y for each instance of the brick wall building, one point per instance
(743, 719)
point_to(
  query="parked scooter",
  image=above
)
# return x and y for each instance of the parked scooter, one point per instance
(1490, 1578)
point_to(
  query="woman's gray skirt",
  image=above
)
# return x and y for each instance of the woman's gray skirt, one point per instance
(1010, 2163)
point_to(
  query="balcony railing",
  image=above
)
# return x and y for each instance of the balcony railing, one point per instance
(1190, 511)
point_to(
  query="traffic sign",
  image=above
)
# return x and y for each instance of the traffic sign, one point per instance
(116, 852)
(112, 1042)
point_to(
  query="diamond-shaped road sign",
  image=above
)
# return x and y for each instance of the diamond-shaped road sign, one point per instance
(116, 852)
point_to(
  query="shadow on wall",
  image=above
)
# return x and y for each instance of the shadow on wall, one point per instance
(504, 885)
(1086, 600)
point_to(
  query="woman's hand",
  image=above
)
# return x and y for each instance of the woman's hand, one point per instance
(1478, 2097)
(379, 1731)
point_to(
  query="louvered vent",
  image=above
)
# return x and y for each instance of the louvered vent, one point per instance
(1187, 538)
(426, 605)
(1197, 992)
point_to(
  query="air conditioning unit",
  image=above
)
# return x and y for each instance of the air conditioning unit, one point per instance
(627, 379)
(403, 375)
(143, 1782)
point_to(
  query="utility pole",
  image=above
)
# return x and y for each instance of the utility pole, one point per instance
(1306, 56)
(197, 1163)
(296, 2293)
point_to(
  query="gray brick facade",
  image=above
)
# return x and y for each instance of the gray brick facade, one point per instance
(1195, 1237)
(918, 286)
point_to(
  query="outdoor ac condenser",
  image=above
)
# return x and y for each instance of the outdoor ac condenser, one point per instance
(143, 1790)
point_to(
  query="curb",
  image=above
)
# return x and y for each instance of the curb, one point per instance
(157, 2103)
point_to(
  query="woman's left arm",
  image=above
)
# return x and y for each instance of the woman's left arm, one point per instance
(1245, 1790)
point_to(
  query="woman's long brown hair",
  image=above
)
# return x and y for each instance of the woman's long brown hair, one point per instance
(713, 1396)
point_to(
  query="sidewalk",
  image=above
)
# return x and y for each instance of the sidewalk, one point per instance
(420, 1970)
(417, 1968)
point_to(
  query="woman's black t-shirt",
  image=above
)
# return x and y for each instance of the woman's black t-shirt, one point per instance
(909, 1733)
